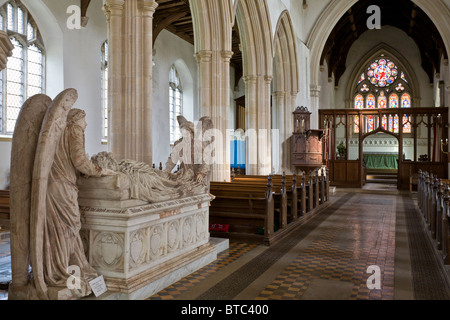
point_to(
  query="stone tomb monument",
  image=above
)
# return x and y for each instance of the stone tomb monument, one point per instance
(75, 219)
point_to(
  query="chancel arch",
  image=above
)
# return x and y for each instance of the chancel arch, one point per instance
(317, 40)
(285, 89)
(348, 20)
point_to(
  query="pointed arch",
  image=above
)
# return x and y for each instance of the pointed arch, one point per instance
(286, 73)
(253, 19)
(284, 90)
(255, 29)
(317, 40)
(437, 11)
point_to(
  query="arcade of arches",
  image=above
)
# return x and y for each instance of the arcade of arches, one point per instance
(380, 94)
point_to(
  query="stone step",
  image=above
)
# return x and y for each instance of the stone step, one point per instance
(382, 176)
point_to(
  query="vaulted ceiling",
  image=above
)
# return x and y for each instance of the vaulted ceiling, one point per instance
(402, 14)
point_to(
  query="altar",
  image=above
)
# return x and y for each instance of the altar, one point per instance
(381, 160)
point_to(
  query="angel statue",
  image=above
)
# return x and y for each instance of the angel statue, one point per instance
(189, 151)
(48, 154)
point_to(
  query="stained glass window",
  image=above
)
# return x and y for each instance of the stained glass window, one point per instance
(393, 101)
(14, 85)
(391, 123)
(384, 122)
(402, 75)
(382, 73)
(104, 77)
(365, 88)
(356, 124)
(406, 124)
(383, 85)
(400, 88)
(406, 101)
(382, 100)
(396, 123)
(370, 103)
(362, 78)
(359, 102)
(370, 123)
(175, 104)
(23, 76)
(35, 66)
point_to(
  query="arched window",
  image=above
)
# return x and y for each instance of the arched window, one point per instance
(24, 74)
(104, 80)
(383, 85)
(175, 104)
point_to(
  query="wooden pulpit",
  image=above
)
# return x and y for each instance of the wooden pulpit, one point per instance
(307, 151)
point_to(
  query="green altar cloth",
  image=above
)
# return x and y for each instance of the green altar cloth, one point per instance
(381, 161)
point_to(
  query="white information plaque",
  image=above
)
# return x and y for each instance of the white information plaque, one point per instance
(98, 286)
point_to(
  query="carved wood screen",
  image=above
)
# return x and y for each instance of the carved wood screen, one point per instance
(414, 134)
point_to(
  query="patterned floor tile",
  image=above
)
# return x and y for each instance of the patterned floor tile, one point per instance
(226, 257)
(330, 258)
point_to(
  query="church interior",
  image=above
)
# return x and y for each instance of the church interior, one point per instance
(329, 178)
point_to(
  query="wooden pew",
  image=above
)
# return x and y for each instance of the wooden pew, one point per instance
(279, 182)
(245, 206)
(248, 210)
(4, 208)
(444, 236)
(318, 193)
(433, 200)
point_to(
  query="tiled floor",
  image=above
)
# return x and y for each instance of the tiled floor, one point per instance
(333, 256)
(329, 262)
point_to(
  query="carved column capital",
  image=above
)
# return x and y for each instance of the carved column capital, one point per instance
(268, 79)
(114, 5)
(148, 6)
(315, 90)
(250, 79)
(227, 54)
(279, 94)
(203, 56)
(113, 8)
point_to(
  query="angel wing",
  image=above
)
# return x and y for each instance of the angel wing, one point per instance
(52, 127)
(23, 152)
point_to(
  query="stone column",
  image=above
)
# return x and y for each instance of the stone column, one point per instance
(290, 98)
(130, 32)
(214, 101)
(315, 105)
(258, 115)
(278, 109)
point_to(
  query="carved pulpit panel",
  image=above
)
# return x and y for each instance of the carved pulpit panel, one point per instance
(307, 151)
